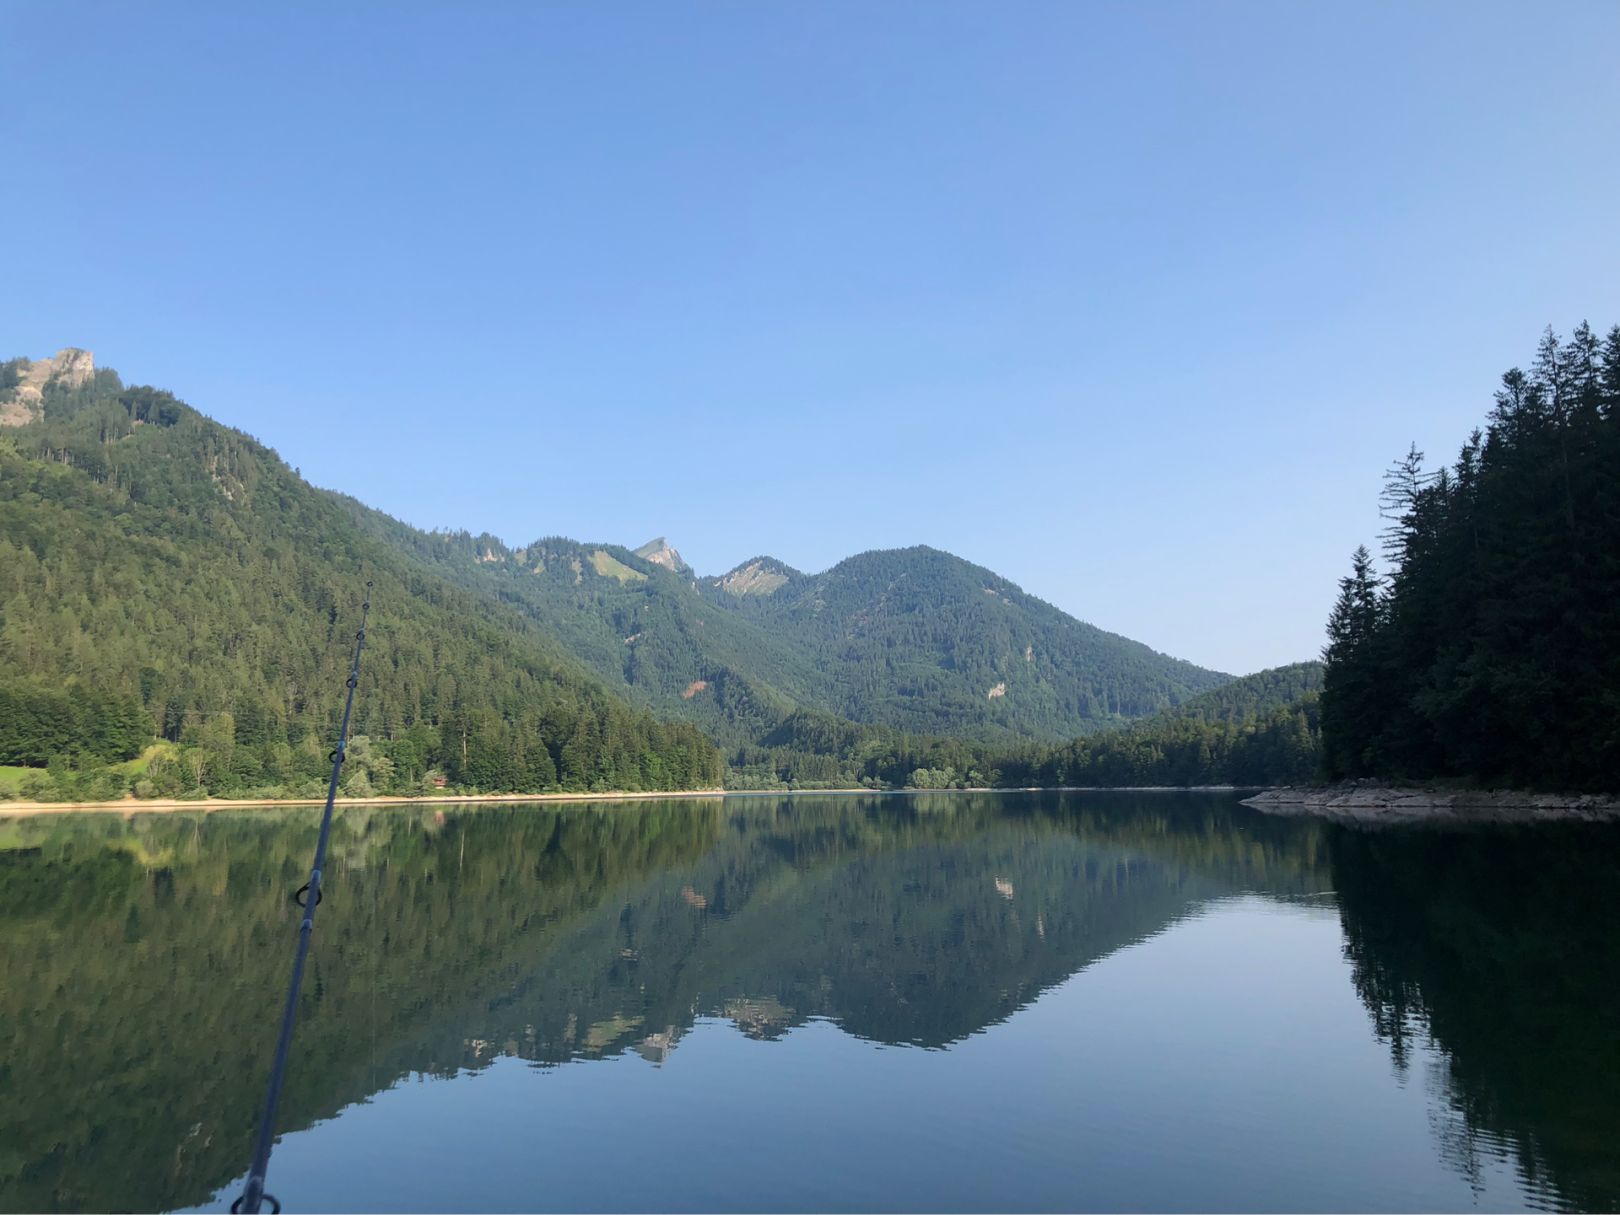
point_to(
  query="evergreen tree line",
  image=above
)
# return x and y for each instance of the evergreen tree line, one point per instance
(1281, 747)
(1490, 651)
(38, 724)
(1262, 729)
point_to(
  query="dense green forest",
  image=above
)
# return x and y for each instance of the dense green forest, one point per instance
(640, 629)
(1263, 729)
(1490, 651)
(175, 604)
(76, 723)
(165, 578)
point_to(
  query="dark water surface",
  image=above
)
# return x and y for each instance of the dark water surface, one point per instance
(935, 1002)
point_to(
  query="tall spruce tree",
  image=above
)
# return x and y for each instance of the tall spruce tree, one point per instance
(1350, 691)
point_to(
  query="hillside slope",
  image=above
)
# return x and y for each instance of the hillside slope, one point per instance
(638, 626)
(1249, 697)
(920, 640)
(156, 556)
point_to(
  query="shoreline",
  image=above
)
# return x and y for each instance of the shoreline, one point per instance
(1370, 804)
(158, 805)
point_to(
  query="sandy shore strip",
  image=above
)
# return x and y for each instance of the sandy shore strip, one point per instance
(1374, 804)
(134, 805)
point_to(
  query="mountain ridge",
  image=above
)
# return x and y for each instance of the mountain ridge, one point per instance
(915, 643)
(659, 552)
(902, 638)
(950, 632)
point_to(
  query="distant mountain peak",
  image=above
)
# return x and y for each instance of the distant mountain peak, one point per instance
(756, 576)
(23, 401)
(659, 552)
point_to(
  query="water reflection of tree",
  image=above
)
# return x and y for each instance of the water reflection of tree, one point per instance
(1498, 948)
(144, 959)
(144, 962)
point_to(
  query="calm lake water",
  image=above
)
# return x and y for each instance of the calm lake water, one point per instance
(932, 1002)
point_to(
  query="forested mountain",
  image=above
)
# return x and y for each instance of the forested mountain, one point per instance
(1491, 652)
(919, 640)
(165, 577)
(638, 626)
(912, 642)
(157, 567)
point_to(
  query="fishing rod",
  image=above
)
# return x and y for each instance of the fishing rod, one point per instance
(307, 896)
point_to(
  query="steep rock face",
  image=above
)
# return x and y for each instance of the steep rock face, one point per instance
(24, 401)
(659, 552)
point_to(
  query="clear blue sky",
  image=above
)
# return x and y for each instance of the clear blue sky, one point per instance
(1129, 302)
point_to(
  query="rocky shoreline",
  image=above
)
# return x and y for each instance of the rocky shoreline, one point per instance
(1370, 803)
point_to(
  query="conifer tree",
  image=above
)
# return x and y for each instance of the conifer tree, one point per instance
(1493, 653)
(1350, 704)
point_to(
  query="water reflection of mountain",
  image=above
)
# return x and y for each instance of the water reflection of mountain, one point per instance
(1499, 948)
(144, 959)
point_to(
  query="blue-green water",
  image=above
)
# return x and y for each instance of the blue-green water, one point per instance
(942, 1002)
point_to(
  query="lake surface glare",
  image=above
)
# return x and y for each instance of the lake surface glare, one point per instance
(941, 1001)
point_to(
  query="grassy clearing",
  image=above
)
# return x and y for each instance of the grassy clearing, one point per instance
(11, 778)
(609, 566)
(143, 761)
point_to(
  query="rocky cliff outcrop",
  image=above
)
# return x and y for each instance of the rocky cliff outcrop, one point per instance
(24, 402)
(659, 552)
